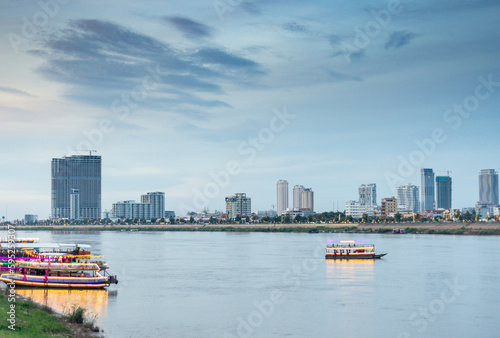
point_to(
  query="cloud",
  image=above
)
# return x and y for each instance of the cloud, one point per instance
(295, 27)
(347, 49)
(343, 77)
(14, 91)
(189, 27)
(250, 8)
(399, 39)
(107, 59)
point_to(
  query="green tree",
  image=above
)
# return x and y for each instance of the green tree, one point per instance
(397, 217)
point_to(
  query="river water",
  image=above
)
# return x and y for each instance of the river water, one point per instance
(217, 284)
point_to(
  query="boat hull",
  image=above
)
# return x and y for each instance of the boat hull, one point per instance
(355, 256)
(55, 282)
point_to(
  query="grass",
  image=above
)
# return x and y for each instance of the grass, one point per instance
(34, 320)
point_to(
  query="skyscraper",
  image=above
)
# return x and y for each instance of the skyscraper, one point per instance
(427, 189)
(443, 192)
(368, 196)
(238, 205)
(157, 202)
(297, 197)
(307, 197)
(282, 196)
(488, 187)
(408, 196)
(80, 172)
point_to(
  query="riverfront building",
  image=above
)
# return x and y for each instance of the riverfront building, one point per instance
(488, 187)
(238, 205)
(282, 196)
(152, 206)
(408, 196)
(307, 200)
(389, 206)
(297, 197)
(367, 198)
(443, 192)
(76, 172)
(488, 192)
(427, 189)
(352, 208)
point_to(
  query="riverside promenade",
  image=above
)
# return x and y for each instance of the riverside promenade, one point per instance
(479, 228)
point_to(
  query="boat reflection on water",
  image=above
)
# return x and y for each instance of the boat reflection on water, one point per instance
(94, 301)
(359, 270)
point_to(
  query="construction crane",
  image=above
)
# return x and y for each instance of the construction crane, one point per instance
(448, 172)
(92, 151)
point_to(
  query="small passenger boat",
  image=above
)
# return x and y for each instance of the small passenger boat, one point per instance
(351, 250)
(55, 266)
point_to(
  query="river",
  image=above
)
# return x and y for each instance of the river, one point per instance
(224, 284)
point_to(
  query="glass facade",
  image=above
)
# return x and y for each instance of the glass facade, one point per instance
(82, 173)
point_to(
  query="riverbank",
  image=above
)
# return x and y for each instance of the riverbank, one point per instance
(31, 319)
(480, 228)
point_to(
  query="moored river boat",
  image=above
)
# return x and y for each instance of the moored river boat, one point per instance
(55, 266)
(351, 250)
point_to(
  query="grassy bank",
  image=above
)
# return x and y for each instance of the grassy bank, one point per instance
(410, 228)
(34, 320)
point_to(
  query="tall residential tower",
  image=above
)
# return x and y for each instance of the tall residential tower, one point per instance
(81, 173)
(282, 196)
(488, 187)
(408, 197)
(427, 189)
(443, 192)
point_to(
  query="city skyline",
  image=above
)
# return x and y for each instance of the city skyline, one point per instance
(199, 103)
(74, 171)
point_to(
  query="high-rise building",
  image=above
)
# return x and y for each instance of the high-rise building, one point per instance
(389, 206)
(297, 197)
(157, 202)
(238, 205)
(307, 200)
(427, 189)
(81, 172)
(368, 196)
(443, 192)
(152, 206)
(74, 204)
(282, 197)
(488, 187)
(408, 196)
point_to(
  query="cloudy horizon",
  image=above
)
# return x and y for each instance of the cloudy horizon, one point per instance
(176, 97)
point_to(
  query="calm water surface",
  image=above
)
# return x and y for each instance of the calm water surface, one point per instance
(196, 284)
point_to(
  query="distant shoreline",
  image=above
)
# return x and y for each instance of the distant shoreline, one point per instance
(481, 228)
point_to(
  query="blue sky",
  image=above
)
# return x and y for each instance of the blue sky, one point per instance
(325, 94)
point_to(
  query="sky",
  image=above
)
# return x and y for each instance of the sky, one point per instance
(204, 99)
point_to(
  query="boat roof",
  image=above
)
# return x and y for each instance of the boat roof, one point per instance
(50, 246)
(352, 241)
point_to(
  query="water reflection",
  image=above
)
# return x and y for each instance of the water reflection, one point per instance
(94, 301)
(360, 270)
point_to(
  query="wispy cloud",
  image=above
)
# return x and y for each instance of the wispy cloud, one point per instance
(14, 91)
(250, 8)
(107, 58)
(295, 27)
(344, 77)
(399, 39)
(189, 27)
